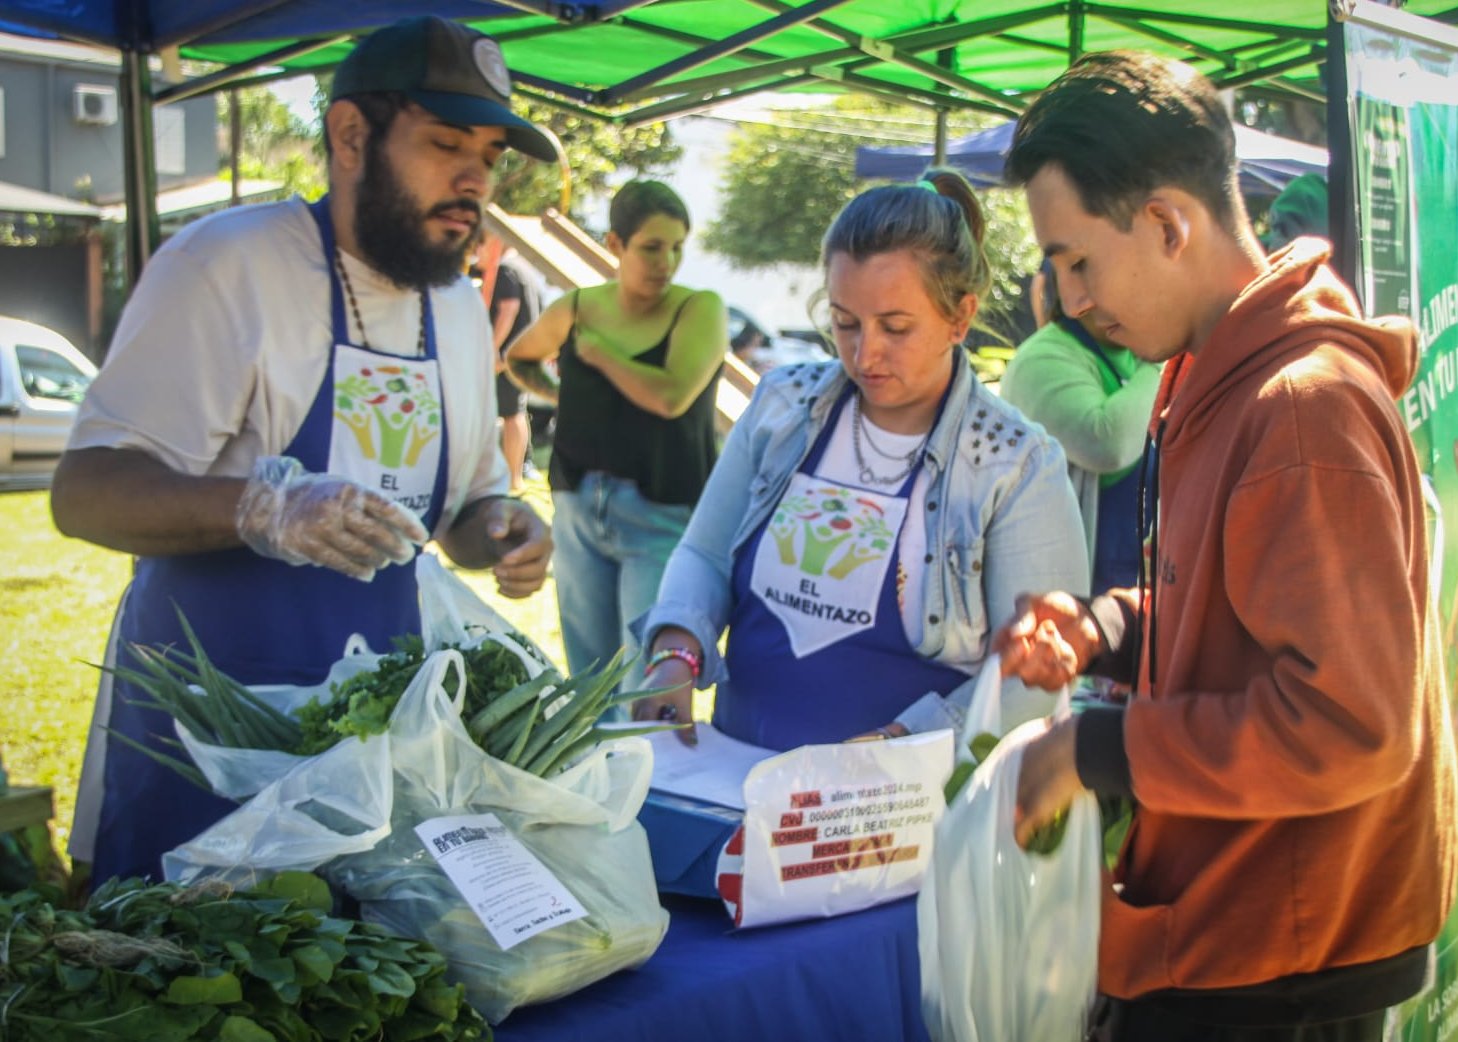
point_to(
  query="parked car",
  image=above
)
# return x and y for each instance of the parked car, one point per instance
(762, 350)
(42, 380)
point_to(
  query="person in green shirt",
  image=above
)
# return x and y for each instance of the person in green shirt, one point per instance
(1095, 398)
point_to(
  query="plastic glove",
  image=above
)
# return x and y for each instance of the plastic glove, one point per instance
(302, 518)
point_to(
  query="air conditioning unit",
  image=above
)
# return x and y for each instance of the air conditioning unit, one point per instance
(94, 104)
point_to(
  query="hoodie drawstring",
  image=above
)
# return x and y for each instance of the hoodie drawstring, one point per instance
(1147, 518)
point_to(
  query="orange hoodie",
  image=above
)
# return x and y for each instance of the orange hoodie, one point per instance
(1294, 765)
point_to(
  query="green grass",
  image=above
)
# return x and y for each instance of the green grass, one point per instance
(57, 596)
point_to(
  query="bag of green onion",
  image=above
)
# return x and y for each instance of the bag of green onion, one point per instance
(527, 869)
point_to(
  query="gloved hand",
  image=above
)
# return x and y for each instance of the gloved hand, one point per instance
(302, 518)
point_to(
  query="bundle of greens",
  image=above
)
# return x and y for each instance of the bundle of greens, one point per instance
(361, 706)
(171, 964)
(212, 705)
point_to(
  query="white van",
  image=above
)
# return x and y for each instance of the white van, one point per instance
(42, 379)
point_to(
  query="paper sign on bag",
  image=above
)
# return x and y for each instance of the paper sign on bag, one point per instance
(830, 829)
(513, 894)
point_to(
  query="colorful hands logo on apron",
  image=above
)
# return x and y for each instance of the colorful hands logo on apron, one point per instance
(395, 403)
(831, 520)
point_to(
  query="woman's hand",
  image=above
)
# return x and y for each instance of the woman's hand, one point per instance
(674, 705)
(590, 348)
(1051, 640)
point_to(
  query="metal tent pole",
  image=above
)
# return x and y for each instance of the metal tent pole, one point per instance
(1341, 182)
(137, 157)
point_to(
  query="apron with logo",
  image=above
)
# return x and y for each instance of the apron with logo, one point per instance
(817, 649)
(1118, 543)
(376, 419)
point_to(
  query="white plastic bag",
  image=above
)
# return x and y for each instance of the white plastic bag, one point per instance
(831, 829)
(241, 773)
(337, 802)
(1008, 939)
(581, 825)
(450, 614)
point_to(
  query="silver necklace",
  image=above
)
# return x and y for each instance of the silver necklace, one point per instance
(868, 475)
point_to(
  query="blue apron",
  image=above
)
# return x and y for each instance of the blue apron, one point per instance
(1118, 542)
(779, 698)
(260, 620)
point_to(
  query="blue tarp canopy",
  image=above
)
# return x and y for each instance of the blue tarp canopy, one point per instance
(1267, 162)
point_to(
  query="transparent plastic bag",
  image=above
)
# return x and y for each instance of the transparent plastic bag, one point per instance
(580, 824)
(451, 614)
(241, 773)
(1008, 939)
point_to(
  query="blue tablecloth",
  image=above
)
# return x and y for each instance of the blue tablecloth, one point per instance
(847, 979)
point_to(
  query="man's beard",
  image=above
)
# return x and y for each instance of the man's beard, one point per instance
(390, 230)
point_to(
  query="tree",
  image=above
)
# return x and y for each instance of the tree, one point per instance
(596, 150)
(276, 145)
(785, 182)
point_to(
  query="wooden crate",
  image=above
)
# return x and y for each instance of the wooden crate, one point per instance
(23, 806)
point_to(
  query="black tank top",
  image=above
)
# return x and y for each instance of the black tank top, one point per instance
(599, 429)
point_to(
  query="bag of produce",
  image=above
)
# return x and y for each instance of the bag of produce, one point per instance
(241, 738)
(1008, 937)
(534, 880)
(532, 887)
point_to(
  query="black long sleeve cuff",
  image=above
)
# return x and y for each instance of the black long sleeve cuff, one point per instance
(1098, 751)
(1116, 622)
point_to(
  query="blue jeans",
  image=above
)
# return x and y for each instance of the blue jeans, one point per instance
(611, 546)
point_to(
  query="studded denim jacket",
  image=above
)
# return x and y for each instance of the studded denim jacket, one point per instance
(1001, 519)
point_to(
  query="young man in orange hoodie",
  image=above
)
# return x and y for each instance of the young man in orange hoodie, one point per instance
(1287, 746)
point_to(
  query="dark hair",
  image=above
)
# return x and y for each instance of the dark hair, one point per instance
(637, 201)
(1052, 301)
(1120, 124)
(938, 219)
(379, 110)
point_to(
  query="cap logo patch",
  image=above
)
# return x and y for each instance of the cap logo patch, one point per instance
(488, 61)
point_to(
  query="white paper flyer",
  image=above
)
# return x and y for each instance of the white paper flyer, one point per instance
(514, 894)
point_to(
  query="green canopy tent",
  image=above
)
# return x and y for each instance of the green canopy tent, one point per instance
(636, 61)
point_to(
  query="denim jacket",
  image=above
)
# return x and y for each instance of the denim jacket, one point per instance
(1001, 519)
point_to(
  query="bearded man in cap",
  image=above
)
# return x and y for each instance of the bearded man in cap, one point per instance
(296, 399)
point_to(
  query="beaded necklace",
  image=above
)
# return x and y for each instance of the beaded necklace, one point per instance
(364, 337)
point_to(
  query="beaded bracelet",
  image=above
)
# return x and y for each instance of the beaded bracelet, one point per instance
(694, 662)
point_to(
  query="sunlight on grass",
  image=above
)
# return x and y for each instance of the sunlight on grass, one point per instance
(55, 614)
(57, 597)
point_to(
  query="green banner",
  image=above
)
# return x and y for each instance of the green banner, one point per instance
(1405, 171)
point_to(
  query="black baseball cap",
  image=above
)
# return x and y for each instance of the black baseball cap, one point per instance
(452, 71)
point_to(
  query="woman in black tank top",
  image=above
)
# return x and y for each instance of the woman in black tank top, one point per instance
(638, 360)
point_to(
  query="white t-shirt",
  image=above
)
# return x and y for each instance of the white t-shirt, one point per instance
(839, 464)
(224, 343)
